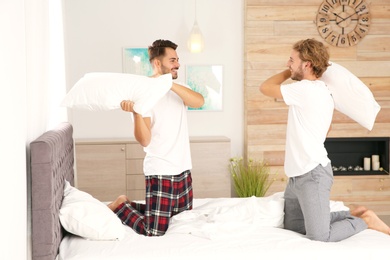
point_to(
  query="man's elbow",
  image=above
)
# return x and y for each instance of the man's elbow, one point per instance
(271, 90)
(142, 140)
(144, 143)
(262, 89)
(199, 102)
(265, 89)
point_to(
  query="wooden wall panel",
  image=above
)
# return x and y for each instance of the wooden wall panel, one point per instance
(271, 28)
(282, 13)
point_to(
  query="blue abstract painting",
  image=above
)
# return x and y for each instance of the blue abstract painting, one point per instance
(207, 80)
(136, 61)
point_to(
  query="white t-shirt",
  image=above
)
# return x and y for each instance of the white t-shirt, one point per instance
(309, 117)
(169, 150)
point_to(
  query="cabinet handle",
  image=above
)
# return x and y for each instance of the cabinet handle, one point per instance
(122, 149)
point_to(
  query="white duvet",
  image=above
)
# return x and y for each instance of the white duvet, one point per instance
(228, 228)
(221, 217)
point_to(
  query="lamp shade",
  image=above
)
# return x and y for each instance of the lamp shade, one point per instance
(196, 41)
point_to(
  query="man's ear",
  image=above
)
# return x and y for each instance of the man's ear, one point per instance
(156, 63)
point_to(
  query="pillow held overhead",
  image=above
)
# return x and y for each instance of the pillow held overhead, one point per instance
(99, 91)
(351, 96)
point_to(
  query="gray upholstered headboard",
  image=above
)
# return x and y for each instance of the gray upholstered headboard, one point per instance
(52, 160)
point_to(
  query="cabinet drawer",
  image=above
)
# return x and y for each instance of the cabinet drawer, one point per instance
(101, 170)
(210, 173)
(134, 151)
(134, 166)
(136, 194)
(135, 182)
(107, 168)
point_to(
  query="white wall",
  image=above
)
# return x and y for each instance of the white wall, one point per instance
(27, 109)
(97, 30)
(13, 197)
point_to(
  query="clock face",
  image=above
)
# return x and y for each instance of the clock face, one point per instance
(343, 23)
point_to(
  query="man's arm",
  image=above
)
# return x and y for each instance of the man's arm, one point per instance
(190, 98)
(142, 131)
(271, 86)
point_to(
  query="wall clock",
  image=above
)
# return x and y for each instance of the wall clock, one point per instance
(343, 23)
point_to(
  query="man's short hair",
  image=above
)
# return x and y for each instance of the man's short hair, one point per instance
(315, 52)
(157, 49)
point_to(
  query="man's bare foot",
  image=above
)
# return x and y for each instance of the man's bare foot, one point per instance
(374, 222)
(356, 210)
(113, 205)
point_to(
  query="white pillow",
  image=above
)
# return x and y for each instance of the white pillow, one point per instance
(105, 91)
(351, 96)
(83, 215)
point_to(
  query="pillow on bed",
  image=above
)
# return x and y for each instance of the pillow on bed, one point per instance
(351, 96)
(83, 215)
(105, 91)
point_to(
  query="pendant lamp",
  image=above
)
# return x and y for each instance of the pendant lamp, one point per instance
(195, 41)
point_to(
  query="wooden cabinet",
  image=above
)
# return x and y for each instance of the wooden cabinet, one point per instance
(135, 179)
(210, 167)
(108, 168)
(101, 169)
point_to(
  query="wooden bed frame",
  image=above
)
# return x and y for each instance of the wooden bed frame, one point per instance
(52, 160)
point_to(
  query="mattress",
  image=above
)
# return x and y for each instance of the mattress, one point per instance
(228, 228)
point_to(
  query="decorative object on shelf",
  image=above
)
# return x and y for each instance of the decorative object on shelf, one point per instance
(367, 163)
(351, 151)
(250, 178)
(349, 168)
(375, 162)
(206, 80)
(195, 41)
(358, 168)
(343, 23)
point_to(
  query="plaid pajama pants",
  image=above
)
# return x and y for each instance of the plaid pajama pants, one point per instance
(166, 196)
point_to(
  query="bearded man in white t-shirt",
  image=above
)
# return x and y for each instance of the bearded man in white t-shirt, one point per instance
(307, 165)
(163, 133)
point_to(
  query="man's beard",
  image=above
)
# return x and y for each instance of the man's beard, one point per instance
(297, 75)
(165, 70)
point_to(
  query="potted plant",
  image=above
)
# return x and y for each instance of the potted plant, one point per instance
(250, 177)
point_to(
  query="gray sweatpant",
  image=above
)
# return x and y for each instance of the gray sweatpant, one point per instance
(307, 209)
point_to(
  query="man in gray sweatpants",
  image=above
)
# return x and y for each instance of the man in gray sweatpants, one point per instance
(307, 208)
(307, 165)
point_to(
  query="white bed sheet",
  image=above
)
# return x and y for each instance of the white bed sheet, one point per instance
(230, 228)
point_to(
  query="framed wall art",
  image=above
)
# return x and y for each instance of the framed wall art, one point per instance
(136, 61)
(207, 80)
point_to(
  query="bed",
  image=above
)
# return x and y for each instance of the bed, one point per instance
(216, 228)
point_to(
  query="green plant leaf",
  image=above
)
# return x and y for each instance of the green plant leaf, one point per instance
(250, 178)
